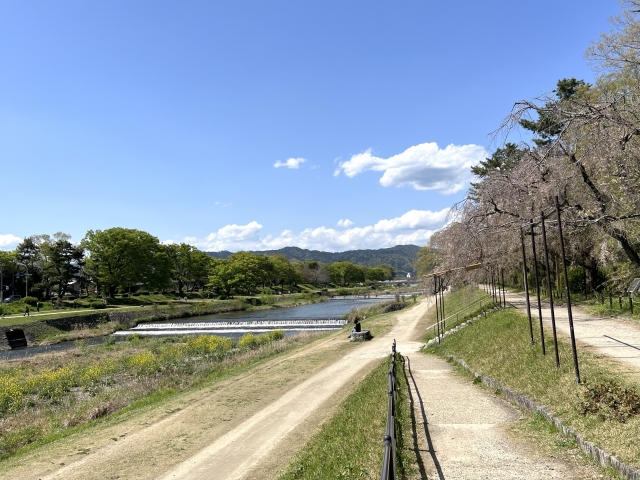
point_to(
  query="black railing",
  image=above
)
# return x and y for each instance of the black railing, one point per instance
(389, 458)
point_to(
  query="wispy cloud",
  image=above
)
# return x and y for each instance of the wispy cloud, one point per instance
(290, 163)
(414, 227)
(423, 167)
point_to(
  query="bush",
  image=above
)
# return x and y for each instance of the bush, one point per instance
(98, 305)
(609, 400)
(30, 300)
(577, 278)
(254, 341)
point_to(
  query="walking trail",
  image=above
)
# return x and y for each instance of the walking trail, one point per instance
(247, 428)
(615, 338)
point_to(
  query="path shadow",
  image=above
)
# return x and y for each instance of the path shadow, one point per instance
(423, 472)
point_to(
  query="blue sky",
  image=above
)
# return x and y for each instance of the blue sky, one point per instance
(170, 117)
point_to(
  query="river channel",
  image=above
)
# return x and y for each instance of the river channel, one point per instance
(322, 310)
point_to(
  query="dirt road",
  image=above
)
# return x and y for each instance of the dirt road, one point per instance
(617, 339)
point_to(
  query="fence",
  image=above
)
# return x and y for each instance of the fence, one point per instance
(389, 456)
(457, 314)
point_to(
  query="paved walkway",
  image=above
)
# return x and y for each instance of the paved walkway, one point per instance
(615, 338)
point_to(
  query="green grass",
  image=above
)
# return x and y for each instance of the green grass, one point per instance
(550, 441)
(498, 346)
(454, 302)
(349, 445)
(42, 399)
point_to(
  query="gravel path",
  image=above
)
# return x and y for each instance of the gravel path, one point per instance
(617, 339)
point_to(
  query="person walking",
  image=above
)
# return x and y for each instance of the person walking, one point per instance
(38, 307)
(26, 311)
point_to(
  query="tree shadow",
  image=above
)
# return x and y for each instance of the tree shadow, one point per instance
(423, 472)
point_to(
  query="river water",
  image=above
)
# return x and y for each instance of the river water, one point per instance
(322, 310)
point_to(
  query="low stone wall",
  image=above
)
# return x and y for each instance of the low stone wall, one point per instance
(78, 322)
(362, 336)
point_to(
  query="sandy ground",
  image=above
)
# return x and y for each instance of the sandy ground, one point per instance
(249, 426)
(617, 339)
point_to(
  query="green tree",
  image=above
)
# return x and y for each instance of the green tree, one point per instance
(189, 266)
(391, 272)
(427, 261)
(284, 271)
(62, 262)
(376, 274)
(120, 258)
(344, 273)
(7, 269)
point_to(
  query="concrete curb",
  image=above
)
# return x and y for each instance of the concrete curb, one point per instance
(605, 459)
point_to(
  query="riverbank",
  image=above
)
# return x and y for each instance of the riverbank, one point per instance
(49, 331)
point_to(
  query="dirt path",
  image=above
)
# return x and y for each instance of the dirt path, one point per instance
(461, 430)
(614, 338)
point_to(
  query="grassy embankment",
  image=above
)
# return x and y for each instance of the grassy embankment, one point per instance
(454, 302)
(349, 445)
(48, 396)
(604, 409)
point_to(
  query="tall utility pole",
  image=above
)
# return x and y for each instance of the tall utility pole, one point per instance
(1, 286)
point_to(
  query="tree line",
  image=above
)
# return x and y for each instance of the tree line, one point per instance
(121, 260)
(584, 154)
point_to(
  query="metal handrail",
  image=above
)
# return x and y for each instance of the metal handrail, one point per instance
(458, 312)
(389, 456)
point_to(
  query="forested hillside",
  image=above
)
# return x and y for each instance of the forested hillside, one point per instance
(400, 257)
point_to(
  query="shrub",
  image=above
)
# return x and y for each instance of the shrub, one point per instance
(609, 400)
(248, 340)
(206, 344)
(254, 341)
(98, 305)
(30, 300)
(276, 335)
(577, 278)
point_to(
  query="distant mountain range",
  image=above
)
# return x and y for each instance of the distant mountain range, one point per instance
(400, 257)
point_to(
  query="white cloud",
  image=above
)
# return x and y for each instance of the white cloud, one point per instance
(9, 241)
(414, 227)
(346, 223)
(290, 163)
(423, 167)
